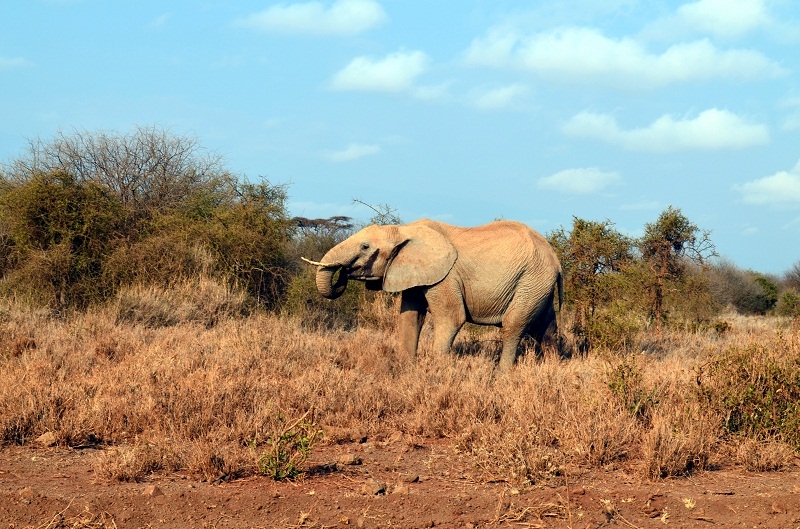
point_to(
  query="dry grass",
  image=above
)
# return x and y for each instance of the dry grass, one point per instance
(84, 520)
(207, 397)
(763, 456)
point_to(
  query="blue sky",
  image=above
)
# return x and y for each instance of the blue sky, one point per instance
(459, 111)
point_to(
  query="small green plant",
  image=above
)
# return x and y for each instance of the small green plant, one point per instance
(288, 447)
(625, 380)
(721, 327)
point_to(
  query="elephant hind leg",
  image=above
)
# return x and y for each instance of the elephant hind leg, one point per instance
(510, 346)
(513, 328)
(526, 317)
(444, 334)
(544, 331)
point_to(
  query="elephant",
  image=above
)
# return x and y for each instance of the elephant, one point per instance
(502, 273)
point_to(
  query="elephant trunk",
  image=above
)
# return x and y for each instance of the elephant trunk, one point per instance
(325, 284)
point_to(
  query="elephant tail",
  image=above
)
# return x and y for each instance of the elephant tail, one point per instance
(560, 286)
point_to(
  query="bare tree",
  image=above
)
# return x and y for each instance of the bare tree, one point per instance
(148, 169)
(792, 277)
(384, 213)
(313, 237)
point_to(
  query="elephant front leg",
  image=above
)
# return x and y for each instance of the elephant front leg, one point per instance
(413, 308)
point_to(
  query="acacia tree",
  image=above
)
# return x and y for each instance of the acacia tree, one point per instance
(666, 247)
(588, 253)
(313, 237)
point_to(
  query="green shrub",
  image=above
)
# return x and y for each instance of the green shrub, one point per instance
(744, 290)
(615, 329)
(788, 304)
(769, 294)
(303, 300)
(248, 239)
(239, 239)
(757, 389)
(58, 232)
(158, 260)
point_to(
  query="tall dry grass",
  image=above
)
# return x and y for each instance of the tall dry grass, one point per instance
(205, 395)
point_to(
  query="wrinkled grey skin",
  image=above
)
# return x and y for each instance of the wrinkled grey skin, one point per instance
(503, 274)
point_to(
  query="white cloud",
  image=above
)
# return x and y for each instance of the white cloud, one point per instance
(585, 54)
(352, 152)
(431, 92)
(712, 129)
(791, 122)
(779, 189)
(394, 73)
(579, 181)
(790, 108)
(726, 18)
(8, 63)
(501, 97)
(343, 17)
(160, 21)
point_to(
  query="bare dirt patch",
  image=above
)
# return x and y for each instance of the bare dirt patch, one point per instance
(384, 484)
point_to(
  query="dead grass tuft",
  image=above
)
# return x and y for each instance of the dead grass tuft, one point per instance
(135, 462)
(680, 442)
(203, 300)
(764, 456)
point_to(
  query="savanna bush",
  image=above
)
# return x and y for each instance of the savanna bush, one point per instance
(85, 215)
(58, 232)
(286, 449)
(743, 290)
(788, 304)
(625, 379)
(303, 301)
(615, 329)
(356, 307)
(757, 389)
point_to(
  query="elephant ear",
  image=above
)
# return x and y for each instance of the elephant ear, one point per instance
(424, 258)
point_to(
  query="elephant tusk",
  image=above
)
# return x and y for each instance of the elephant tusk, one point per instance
(317, 263)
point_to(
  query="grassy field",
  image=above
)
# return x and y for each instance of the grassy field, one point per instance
(187, 379)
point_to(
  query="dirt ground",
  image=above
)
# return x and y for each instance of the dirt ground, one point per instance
(389, 484)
